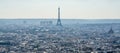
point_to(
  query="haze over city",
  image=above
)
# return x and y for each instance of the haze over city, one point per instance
(70, 9)
(59, 26)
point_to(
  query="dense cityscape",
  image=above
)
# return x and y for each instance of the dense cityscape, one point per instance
(47, 37)
(59, 26)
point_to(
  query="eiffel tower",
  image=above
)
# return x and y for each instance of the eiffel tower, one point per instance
(59, 20)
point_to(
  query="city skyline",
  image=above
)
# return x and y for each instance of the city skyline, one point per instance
(70, 9)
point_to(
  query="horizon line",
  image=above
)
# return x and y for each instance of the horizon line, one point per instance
(67, 18)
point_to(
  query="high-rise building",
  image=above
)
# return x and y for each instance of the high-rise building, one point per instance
(59, 20)
(46, 23)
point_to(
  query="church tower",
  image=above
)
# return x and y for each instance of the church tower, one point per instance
(110, 31)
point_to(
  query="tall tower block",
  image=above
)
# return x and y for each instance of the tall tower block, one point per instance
(59, 20)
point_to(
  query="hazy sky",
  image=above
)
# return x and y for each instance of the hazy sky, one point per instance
(74, 9)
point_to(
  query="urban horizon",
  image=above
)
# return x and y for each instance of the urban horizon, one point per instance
(93, 27)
